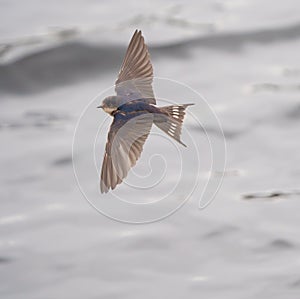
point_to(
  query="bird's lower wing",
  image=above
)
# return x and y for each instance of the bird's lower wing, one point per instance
(124, 145)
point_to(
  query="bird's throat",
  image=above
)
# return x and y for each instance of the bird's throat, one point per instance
(109, 110)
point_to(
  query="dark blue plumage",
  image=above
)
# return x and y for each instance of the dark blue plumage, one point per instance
(137, 106)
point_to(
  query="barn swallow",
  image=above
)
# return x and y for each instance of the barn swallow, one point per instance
(134, 110)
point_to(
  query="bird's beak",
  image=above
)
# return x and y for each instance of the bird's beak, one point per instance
(100, 107)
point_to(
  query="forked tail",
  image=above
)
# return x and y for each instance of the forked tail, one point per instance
(171, 121)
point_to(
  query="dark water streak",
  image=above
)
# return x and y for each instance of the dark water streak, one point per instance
(76, 61)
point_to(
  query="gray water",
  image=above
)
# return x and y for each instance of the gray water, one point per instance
(243, 57)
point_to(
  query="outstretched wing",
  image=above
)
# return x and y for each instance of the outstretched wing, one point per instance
(136, 73)
(125, 141)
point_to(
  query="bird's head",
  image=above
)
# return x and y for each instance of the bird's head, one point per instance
(111, 104)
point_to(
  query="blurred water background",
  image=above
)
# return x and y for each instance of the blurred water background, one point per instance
(243, 56)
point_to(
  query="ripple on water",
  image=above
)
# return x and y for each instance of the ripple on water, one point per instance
(270, 195)
(281, 244)
(294, 113)
(277, 245)
(5, 260)
(63, 161)
(295, 284)
(220, 232)
(273, 87)
(36, 119)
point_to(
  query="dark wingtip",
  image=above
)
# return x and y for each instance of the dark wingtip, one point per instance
(103, 187)
(137, 32)
(183, 144)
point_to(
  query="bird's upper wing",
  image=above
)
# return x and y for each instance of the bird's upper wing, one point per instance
(125, 141)
(136, 73)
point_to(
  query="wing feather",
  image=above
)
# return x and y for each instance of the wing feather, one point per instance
(124, 146)
(136, 74)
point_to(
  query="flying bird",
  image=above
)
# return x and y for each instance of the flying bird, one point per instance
(134, 111)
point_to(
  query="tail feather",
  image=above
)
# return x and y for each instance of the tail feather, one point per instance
(171, 122)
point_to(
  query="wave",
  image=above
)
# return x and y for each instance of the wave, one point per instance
(75, 60)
